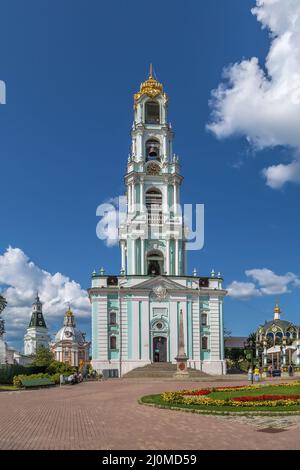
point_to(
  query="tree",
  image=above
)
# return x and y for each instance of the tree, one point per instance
(56, 367)
(235, 355)
(3, 304)
(42, 357)
(252, 337)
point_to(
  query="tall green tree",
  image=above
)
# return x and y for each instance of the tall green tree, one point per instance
(42, 357)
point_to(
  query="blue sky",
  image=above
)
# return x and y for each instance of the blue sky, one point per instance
(71, 68)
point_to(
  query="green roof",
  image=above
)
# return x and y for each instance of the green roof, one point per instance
(37, 320)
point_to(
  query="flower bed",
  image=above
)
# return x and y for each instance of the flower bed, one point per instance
(199, 397)
(266, 397)
(197, 392)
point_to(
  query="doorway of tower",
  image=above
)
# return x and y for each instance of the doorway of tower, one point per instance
(159, 349)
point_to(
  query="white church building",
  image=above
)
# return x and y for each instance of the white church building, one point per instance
(135, 315)
(37, 332)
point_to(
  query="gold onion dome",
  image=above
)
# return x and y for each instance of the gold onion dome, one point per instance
(150, 87)
(277, 309)
(69, 312)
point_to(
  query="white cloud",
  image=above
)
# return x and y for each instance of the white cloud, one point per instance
(20, 279)
(265, 282)
(243, 290)
(264, 104)
(271, 283)
(112, 213)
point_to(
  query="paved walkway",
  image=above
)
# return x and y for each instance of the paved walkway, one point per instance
(106, 415)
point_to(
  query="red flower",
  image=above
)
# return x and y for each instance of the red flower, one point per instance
(266, 397)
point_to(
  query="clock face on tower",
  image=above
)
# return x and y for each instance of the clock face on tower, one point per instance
(153, 168)
(69, 334)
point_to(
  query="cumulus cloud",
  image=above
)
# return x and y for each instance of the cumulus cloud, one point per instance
(264, 282)
(243, 290)
(112, 213)
(263, 104)
(21, 278)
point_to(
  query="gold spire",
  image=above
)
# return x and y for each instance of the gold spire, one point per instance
(150, 87)
(69, 312)
(151, 72)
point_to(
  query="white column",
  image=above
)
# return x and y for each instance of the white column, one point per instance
(133, 255)
(133, 197)
(165, 151)
(175, 198)
(123, 257)
(176, 257)
(265, 356)
(284, 356)
(167, 268)
(129, 197)
(142, 256)
(141, 193)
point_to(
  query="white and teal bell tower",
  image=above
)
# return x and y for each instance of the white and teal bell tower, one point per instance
(136, 315)
(152, 239)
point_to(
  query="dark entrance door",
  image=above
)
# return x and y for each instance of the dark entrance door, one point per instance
(159, 349)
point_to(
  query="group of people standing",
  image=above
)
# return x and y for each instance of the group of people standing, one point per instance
(271, 372)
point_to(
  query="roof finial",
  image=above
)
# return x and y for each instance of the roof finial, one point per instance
(151, 71)
(277, 311)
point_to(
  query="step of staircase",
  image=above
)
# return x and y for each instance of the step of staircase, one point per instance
(160, 370)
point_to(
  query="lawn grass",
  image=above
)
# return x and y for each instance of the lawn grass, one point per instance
(157, 400)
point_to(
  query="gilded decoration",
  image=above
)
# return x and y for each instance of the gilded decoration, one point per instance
(153, 169)
(151, 88)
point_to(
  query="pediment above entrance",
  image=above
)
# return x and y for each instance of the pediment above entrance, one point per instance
(158, 283)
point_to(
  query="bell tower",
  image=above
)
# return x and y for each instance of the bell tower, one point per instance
(152, 237)
(37, 331)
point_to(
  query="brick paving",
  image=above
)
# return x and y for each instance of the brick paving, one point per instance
(106, 415)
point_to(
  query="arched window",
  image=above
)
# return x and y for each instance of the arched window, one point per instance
(154, 206)
(155, 263)
(112, 318)
(152, 112)
(152, 150)
(112, 342)
(204, 342)
(204, 319)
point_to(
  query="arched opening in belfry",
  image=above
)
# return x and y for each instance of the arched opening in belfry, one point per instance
(152, 112)
(152, 150)
(155, 263)
(154, 206)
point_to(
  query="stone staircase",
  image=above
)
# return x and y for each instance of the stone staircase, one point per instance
(160, 370)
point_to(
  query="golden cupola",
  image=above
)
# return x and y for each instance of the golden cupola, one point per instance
(151, 87)
(277, 312)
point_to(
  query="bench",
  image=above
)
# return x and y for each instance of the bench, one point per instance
(37, 383)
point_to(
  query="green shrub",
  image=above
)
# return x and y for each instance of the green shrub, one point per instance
(56, 367)
(17, 380)
(8, 371)
(55, 377)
